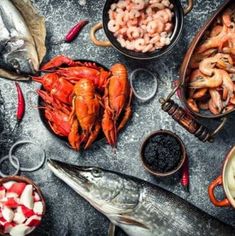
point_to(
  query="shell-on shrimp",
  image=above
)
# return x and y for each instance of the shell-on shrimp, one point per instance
(207, 65)
(213, 81)
(216, 30)
(215, 42)
(227, 85)
(200, 93)
(139, 44)
(155, 27)
(198, 57)
(216, 101)
(193, 105)
(213, 109)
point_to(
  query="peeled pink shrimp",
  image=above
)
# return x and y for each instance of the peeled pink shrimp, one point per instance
(133, 32)
(139, 44)
(133, 22)
(155, 39)
(168, 27)
(147, 48)
(134, 14)
(126, 17)
(154, 1)
(159, 6)
(130, 6)
(113, 26)
(146, 39)
(130, 45)
(139, 4)
(122, 4)
(155, 26)
(120, 19)
(166, 3)
(122, 41)
(113, 6)
(162, 15)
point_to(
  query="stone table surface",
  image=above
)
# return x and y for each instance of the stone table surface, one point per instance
(67, 213)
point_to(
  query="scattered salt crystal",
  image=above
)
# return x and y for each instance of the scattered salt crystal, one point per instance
(82, 2)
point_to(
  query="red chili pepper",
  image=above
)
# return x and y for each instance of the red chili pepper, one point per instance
(185, 175)
(21, 103)
(73, 33)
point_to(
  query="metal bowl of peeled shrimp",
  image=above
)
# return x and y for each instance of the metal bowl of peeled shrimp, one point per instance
(141, 29)
(206, 86)
(77, 101)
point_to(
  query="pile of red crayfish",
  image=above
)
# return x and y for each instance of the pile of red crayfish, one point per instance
(82, 99)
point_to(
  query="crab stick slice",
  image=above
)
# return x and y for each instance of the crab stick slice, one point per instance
(12, 202)
(7, 214)
(7, 227)
(25, 211)
(2, 221)
(33, 221)
(17, 188)
(2, 192)
(26, 197)
(8, 184)
(36, 197)
(19, 218)
(38, 208)
(19, 230)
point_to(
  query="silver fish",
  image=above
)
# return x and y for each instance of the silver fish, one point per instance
(136, 206)
(17, 46)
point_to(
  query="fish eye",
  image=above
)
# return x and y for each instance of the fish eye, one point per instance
(15, 63)
(96, 172)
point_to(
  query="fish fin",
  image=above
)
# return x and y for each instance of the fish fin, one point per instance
(112, 229)
(128, 221)
(13, 76)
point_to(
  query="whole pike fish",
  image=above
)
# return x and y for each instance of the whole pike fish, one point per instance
(136, 206)
(17, 47)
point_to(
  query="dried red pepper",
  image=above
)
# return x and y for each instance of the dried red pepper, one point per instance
(21, 103)
(185, 175)
(73, 33)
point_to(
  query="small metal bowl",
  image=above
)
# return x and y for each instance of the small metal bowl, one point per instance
(178, 21)
(181, 162)
(27, 181)
(42, 116)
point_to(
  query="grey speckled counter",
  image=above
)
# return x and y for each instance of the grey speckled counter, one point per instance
(65, 209)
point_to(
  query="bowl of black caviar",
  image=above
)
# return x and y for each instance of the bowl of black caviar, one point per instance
(163, 153)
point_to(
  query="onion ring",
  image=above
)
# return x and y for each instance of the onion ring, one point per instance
(24, 168)
(17, 166)
(133, 76)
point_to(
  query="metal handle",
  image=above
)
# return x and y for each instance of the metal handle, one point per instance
(189, 7)
(187, 121)
(93, 38)
(219, 203)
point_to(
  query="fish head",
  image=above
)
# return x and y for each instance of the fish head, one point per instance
(107, 191)
(20, 56)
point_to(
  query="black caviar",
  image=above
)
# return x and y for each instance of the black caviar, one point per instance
(162, 153)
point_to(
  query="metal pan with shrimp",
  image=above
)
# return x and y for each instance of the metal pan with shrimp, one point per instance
(207, 84)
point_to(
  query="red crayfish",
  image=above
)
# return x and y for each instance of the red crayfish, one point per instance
(82, 98)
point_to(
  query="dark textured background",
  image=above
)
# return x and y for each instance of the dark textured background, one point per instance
(65, 209)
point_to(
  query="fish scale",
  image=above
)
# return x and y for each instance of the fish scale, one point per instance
(138, 207)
